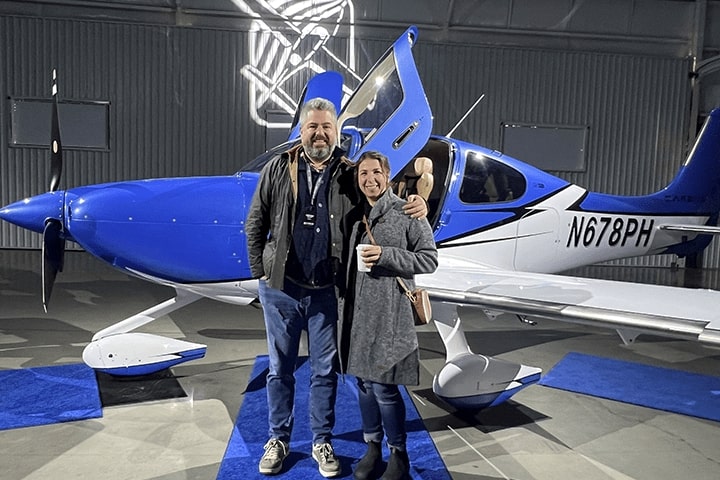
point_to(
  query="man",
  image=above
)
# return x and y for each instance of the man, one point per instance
(297, 232)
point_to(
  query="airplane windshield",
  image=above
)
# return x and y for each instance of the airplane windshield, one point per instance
(486, 181)
(259, 162)
(349, 141)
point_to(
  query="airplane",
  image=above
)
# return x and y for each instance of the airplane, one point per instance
(503, 229)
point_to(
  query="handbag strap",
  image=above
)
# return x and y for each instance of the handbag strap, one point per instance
(410, 295)
(400, 280)
(367, 229)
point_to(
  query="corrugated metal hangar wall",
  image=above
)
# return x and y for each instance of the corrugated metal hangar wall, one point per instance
(178, 102)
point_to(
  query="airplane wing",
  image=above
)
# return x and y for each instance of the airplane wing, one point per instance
(629, 308)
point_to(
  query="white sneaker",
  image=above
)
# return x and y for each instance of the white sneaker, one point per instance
(328, 463)
(272, 460)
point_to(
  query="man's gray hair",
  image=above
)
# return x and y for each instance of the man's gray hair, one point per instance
(317, 103)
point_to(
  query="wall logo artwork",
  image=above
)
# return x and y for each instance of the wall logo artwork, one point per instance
(288, 44)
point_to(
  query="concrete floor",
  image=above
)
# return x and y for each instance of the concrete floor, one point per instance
(541, 434)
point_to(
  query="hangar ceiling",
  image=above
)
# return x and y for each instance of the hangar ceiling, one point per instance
(665, 26)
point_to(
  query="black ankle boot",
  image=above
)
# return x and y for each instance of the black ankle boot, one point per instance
(398, 467)
(370, 465)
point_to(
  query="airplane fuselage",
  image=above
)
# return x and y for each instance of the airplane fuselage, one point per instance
(191, 230)
(500, 212)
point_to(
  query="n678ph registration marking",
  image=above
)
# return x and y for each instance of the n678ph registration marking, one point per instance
(597, 231)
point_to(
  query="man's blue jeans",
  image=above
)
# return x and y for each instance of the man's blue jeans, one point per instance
(382, 407)
(287, 313)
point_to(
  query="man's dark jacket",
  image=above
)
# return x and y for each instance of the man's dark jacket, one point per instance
(270, 222)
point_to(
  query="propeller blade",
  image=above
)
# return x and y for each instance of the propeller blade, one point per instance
(55, 144)
(53, 257)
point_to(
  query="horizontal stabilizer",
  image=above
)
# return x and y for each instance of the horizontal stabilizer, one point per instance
(703, 229)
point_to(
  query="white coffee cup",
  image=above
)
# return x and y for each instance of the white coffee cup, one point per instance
(360, 263)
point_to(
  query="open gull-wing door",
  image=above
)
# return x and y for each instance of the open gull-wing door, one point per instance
(327, 85)
(390, 106)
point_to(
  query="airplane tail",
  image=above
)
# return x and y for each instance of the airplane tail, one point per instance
(694, 192)
(697, 184)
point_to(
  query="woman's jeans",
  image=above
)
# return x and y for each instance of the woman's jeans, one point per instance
(381, 405)
(287, 313)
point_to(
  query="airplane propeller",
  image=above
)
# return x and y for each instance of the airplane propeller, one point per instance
(53, 256)
(53, 246)
(55, 143)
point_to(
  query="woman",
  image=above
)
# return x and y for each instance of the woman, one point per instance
(383, 347)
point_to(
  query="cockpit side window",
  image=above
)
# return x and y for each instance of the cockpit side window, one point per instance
(388, 95)
(487, 181)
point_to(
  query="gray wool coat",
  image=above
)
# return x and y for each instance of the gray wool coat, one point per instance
(382, 344)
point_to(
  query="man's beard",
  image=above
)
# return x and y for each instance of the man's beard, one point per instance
(318, 153)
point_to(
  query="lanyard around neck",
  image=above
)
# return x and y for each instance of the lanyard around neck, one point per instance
(314, 189)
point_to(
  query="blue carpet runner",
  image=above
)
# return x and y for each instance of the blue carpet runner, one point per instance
(654, 387)
(251, 432)
(45, 395)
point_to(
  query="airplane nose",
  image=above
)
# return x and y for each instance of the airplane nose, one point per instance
(32, 213)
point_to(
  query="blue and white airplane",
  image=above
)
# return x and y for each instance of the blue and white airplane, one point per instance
(502, 228)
